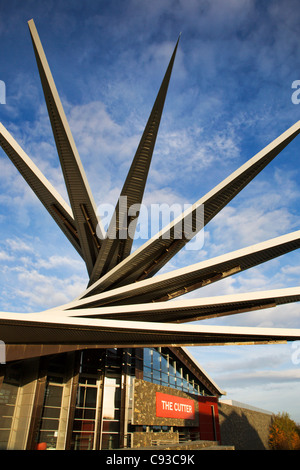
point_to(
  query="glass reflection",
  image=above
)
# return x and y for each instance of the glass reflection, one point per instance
(162, 368)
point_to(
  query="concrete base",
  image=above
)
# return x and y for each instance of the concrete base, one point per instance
(190, 445)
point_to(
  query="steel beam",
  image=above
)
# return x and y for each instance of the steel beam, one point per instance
(80, 195)
(156, 252)
(118, 241)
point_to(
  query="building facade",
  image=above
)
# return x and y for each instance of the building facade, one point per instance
(94, 399)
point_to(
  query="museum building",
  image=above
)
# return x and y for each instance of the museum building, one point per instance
(92, 399)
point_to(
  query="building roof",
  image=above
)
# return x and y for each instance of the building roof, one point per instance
(43, 328)
(198, 366)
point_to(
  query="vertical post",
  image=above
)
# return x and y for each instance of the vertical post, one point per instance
(2, 353)
(73, 396)
(124, 395)
(37, 405)
(214, 422)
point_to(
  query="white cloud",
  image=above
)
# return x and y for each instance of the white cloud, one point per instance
(56, 261)
(18, 245)
(263, 211)
(191, 151)
(6, 257)
(33, 279)
(257, 376)
(45, 291)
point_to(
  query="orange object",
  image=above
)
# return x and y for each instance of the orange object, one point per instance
(41, 446)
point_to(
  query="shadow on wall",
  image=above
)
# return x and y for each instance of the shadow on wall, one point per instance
(245, 429)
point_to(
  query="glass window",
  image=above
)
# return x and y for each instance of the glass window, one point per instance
(156, 428)
(111, 426)
(165, 379)
(111, 411)
(83, 441)
(110, 441)
(48, 431)
(84, 423)
(164, 364)
(92, 361)
(179, 383)
(8, 396)
(113, 359)
(147, 357)
(111, 402)
(86, 397)
(147, 373)
(156, 374)
(113, 380)
(185, 386)
(161, 368)
(100, 365)
(49, 424)
(51, 412)
(87, 380)
(156, 360)
(172, 366)
(83, 413)
(172, 381)
(53, 396)
(90, 397)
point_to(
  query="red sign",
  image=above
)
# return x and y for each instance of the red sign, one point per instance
(169, 406)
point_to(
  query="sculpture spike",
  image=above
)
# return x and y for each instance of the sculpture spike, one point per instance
(117, 245)
(81, 199)
(187, 279)
(156, 252)
(47, 194)
(62, 327)
(182, 311)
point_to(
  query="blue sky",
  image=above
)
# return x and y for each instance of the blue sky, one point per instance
(229, 96)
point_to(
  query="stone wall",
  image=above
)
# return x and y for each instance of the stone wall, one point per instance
(243, 428)
(144, 404)
(147, 439)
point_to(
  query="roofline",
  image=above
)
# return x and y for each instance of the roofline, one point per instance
(202, 371)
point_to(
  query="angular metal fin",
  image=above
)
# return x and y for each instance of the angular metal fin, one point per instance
(156, 252)
(81, 199)
(47, 194)
(117, 244)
